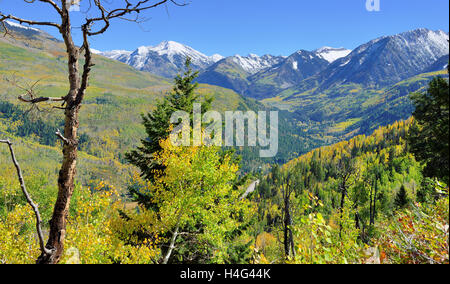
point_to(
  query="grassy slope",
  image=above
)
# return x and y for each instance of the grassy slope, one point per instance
(116, 97)
(347, 110)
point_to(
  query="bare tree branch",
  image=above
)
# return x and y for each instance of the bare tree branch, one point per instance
(44, 250)
(40, 100)
(4, 17)
(72, 102)
(60, 136)
(106, 16)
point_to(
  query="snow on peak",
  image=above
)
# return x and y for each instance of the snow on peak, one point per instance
(116, 54)
(254, 63)
(95, 51)
(168, 55)
(217, 57)
(172, 49)
(19, 26)
(424, 43)
(331, 54)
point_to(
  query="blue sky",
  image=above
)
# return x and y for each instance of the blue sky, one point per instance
(278, 27)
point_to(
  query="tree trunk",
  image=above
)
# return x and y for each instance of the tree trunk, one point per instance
(70, 152)
(171, 247)
(288, 235)
(341, 209)
(72, 102)
(373, 201)
(291, 235)
(371, 206)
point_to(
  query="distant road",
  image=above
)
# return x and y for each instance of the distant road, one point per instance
(250, 188)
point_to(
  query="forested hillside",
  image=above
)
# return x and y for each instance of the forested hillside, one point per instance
(102, 163)
(345, 198)
(365, 200)
(117, 97)
(358, 201)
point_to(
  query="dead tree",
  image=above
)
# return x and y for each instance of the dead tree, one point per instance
(35, 208)
(287, 189)
(72, 101)
(371, 181)
(345, 171)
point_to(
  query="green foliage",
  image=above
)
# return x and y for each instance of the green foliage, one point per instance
(197, 204)
(157, 124)
(365, 194)
(44, 130)
(319, 242)
(352, 185)
(429, 136)
(401, 200)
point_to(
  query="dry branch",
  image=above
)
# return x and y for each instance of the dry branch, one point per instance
(72, 102)
(35, 208)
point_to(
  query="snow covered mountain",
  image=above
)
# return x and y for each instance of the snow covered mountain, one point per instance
(331, 54)
(14, 25)
(234, 72)
(254, 63)
(35, 38)
(291, 71)
(389, 59)
(378, 63)
(165, 59)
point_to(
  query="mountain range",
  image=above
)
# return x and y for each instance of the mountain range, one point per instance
(165, 59)
(325, 95)
(389, 59)
(378, 63)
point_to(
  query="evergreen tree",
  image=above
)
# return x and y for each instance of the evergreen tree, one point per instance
(401, 200)
(157, 124)
(429, 136)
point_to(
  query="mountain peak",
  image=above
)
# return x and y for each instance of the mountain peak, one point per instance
(331, 54)
(254, 63)
(165, 59)
(388, 59)
(166, 47)
(217, 57)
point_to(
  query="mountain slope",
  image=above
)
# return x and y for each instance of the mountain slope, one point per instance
(254, 63)
(29, 37)
(262, 77)
(234, 72)
(288, 73)
(439, 64)
(387, 60)
(346, 110)
(165, 59)
(117, 95)
(370, 87)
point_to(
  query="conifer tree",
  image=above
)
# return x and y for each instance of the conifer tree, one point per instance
(157, 124)
(429, 136)
(401, 200)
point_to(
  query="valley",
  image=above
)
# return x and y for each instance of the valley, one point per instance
(360, 174)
